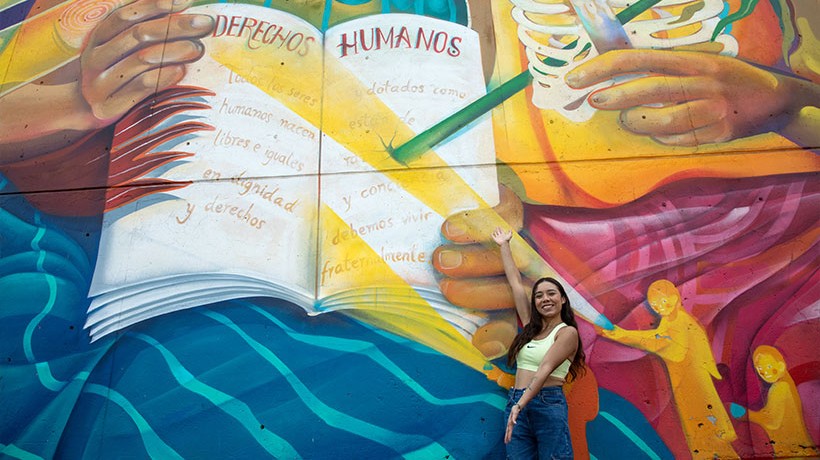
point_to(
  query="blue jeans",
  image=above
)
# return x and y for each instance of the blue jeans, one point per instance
(541, 430)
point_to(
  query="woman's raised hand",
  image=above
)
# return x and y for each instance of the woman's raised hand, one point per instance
(473, 274)
(501, 236)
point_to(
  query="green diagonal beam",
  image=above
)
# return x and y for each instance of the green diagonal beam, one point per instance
(426, 140)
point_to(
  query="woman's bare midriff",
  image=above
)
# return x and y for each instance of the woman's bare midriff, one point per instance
(523, 378)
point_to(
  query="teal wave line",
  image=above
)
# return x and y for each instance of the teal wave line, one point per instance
(154, 445)
(44, 373)
(631, 435)
(401, 340)
(47, 378)
(235, 408)
(32, 325)
(35, 246)
(13, 451)
(3, 182)
(433, 450)
(367, 349)
(330, 415)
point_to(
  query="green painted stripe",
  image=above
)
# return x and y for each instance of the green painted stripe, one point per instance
(6, 4)
(425, 141)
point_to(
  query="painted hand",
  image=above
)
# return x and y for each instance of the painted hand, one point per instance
(691, 98)
(134, 52)
(615, 333)
(474, 274)
(139, 49)
(473, 271)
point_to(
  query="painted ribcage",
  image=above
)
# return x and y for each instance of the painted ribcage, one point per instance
(548, 29)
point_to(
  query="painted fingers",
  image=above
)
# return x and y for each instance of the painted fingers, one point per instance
(139, 49)
(687, 97)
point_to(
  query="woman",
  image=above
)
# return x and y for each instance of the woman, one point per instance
(547, 349)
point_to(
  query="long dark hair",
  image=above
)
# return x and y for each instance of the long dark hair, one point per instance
(536, 325)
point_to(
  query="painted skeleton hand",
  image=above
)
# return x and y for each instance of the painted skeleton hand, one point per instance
(556, 43)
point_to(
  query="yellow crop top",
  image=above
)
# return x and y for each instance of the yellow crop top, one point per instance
(531, 354)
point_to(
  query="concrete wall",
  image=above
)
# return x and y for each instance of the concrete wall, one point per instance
(262, 229)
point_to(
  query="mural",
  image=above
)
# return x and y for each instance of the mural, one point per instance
(262, 228)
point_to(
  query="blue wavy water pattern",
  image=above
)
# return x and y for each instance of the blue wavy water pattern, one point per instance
(154, 445)
(331, 416)
(43, 369)
(367, 349)
(240, 411)
(15, 452)
(630, 434)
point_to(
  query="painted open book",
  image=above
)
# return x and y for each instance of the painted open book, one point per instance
(287, 188)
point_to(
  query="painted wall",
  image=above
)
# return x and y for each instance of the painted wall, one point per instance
(262, 229)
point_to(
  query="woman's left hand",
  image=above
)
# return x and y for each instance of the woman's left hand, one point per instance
(516, 409)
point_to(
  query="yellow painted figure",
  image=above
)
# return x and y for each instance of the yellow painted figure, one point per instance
(782, 415)
(681, 342)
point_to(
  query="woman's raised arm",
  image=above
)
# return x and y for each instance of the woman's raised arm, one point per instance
(522, 300)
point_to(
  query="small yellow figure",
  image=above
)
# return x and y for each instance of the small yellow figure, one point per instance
(681, 342)
(782, 415)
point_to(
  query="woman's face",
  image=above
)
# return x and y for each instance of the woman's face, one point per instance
(548, 299)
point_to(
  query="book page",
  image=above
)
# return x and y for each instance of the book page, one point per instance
(389, 78)
(252, 194)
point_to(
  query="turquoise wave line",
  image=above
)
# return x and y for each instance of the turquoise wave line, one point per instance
(330, 415)
(13, 451)
(47, 378)
(631, 435)
(233, 407)
(28, 348)
(368, 350)
(154, 445)
(44, 373)
(401, 340)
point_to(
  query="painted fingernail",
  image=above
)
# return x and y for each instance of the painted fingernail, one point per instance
(574, 78)
(152, 59)
(449, 259)
(599, 98)
(452, 229)
(201, 21)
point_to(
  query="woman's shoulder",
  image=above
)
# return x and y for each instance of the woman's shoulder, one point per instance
(565, 329)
